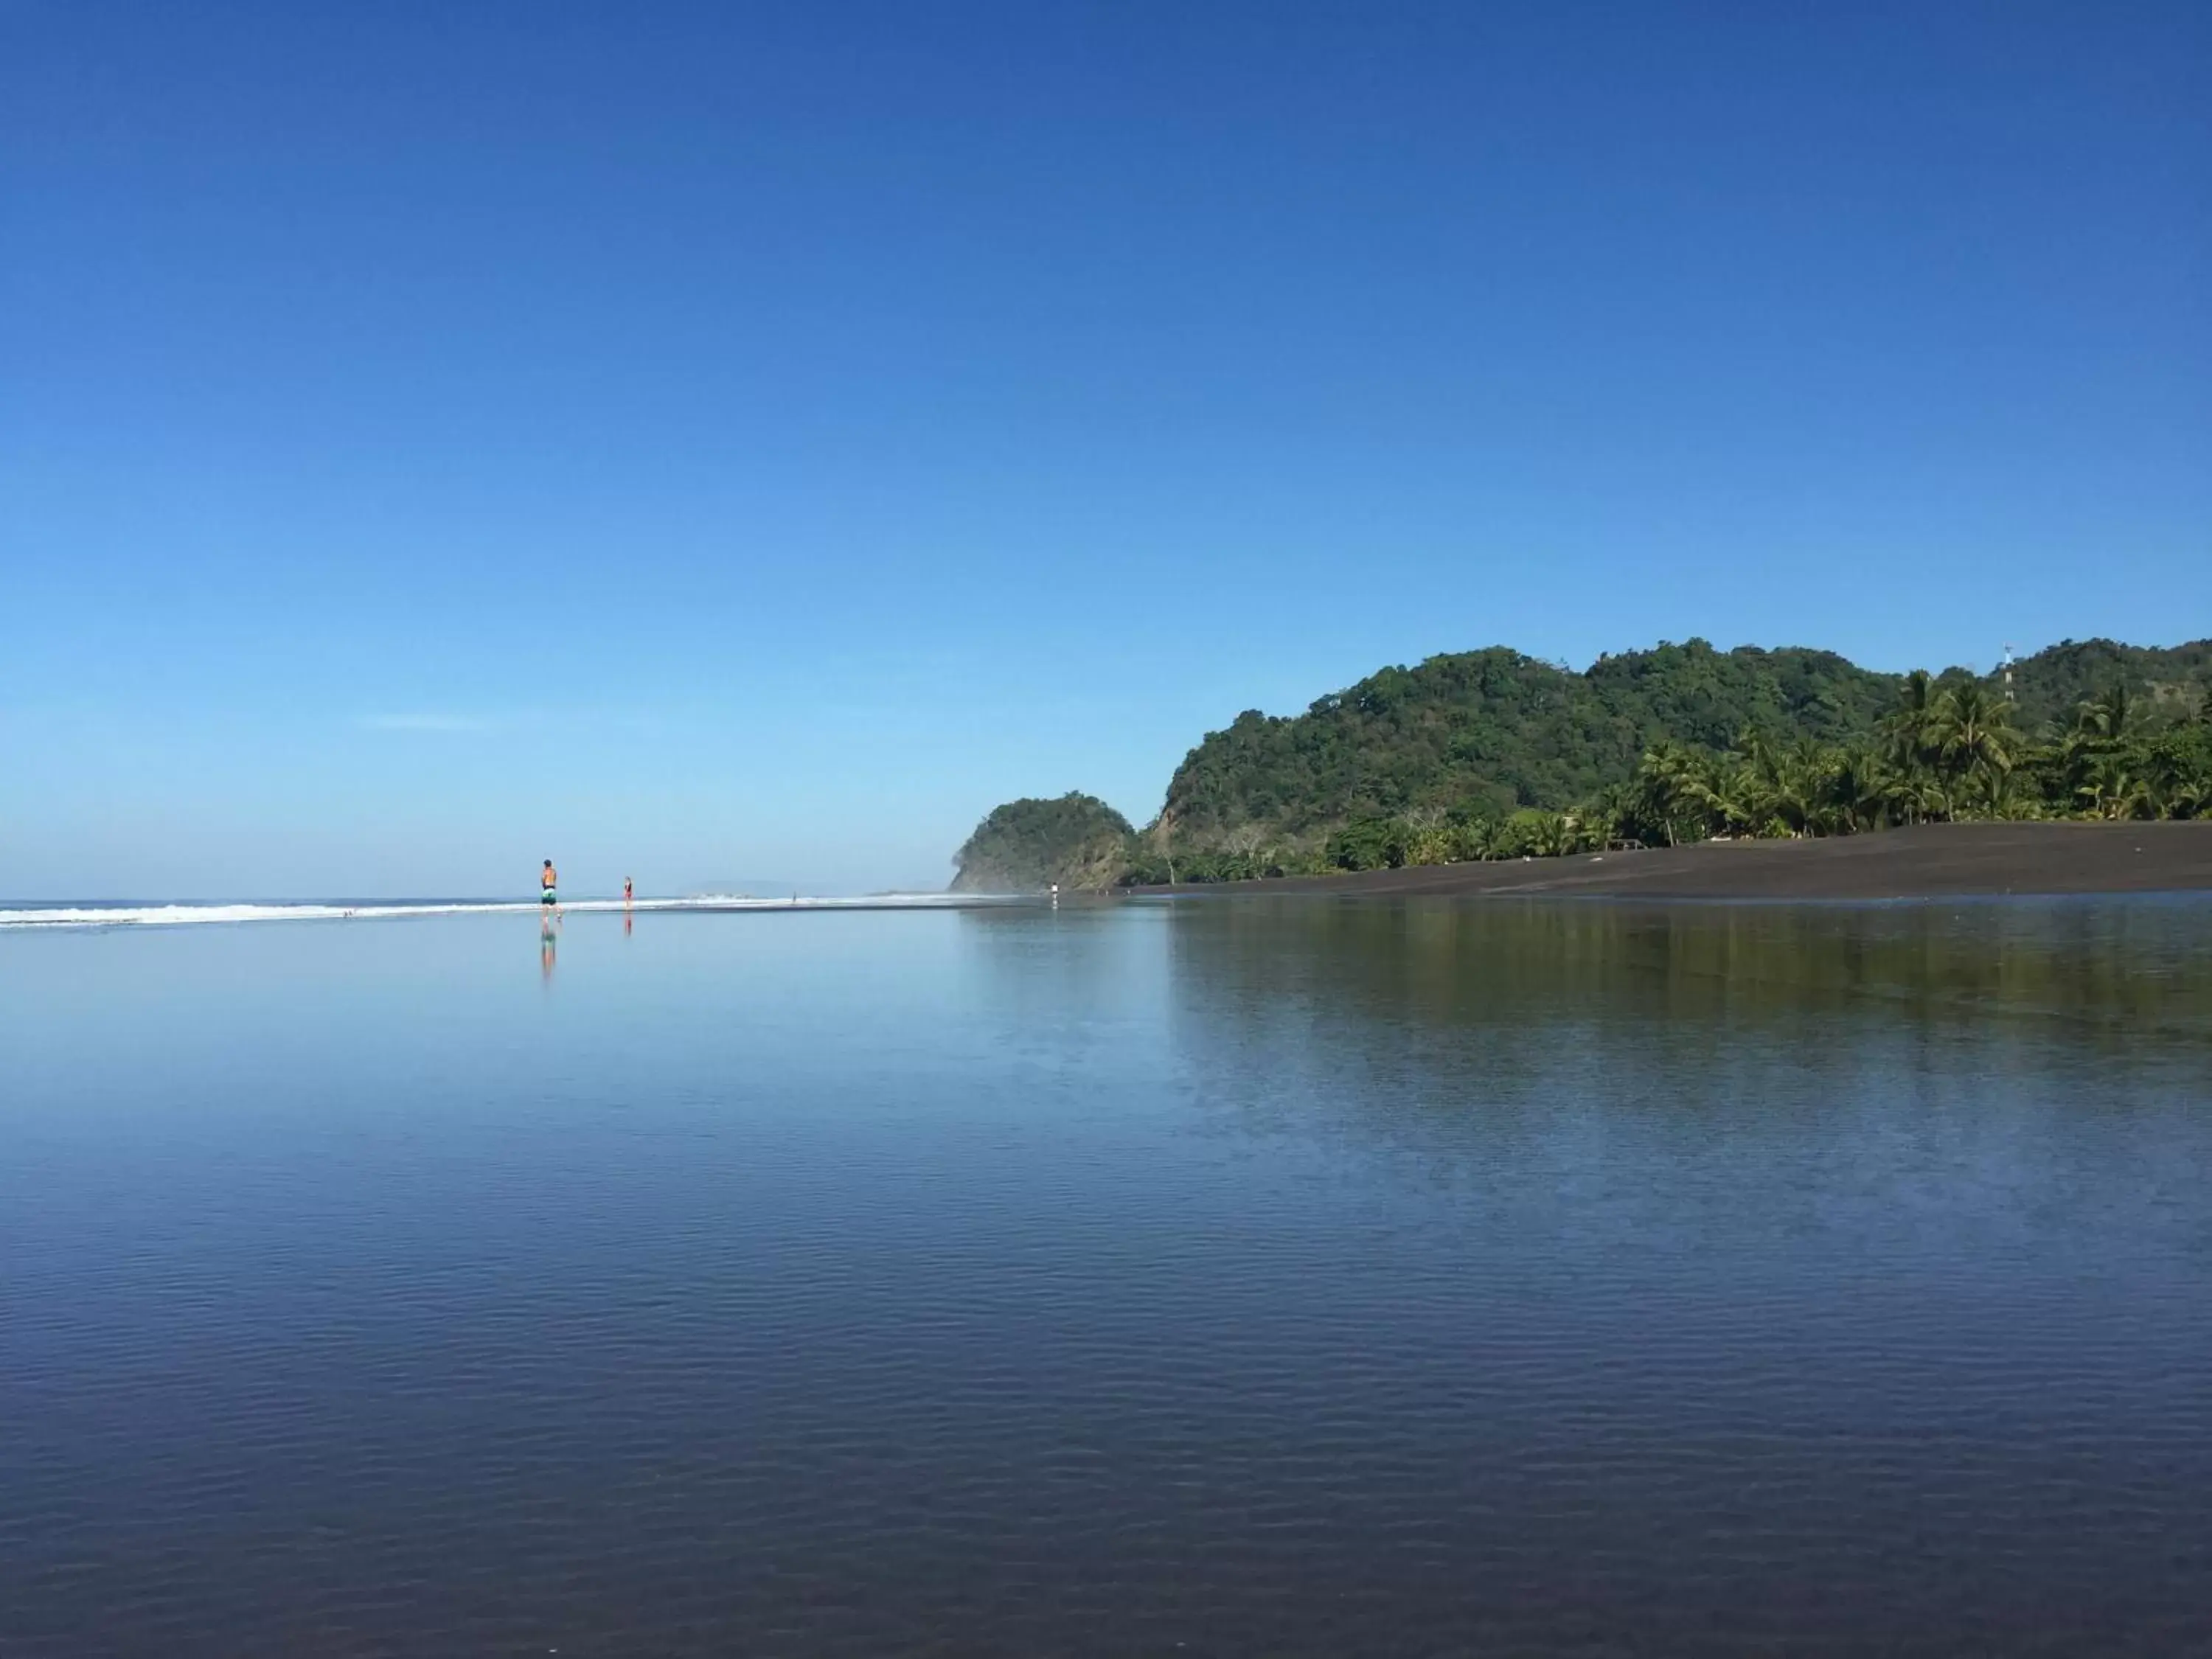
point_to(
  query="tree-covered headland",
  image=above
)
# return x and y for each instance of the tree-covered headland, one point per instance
(1074, 839)
(1493, 754)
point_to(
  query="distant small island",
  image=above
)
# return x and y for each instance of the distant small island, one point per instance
(1489, 755)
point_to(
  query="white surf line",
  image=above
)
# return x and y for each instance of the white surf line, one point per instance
(174, 915)
(171, 916)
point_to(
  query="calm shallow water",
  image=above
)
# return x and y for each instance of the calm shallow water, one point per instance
(1255, 1278)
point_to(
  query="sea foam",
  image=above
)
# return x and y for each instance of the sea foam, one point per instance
(172, 915)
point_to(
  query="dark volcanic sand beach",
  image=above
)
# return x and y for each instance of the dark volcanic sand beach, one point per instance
(1932, 861)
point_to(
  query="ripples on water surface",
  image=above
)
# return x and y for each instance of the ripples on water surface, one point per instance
(1251, 1277)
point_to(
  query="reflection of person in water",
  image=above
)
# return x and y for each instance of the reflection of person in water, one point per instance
(548, 937)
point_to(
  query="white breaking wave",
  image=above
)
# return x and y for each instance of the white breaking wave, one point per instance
(172, 915)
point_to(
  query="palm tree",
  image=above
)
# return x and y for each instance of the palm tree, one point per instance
(1970, 731)
(1804, 785)
(1617, 814)
(1861, 789)
(1790, 785)
(1736, 795)
(1927, 797)
(2007, 796)
(2113, 790)
(1905, 728)
(2188, 798)
(1667, 779)
(2108, 718)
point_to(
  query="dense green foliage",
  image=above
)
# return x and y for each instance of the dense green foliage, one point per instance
(2052, 683)
(1490, 754)
(1944, 754)
(1076, 840)
(1490, 731)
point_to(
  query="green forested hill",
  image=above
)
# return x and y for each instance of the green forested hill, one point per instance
(1494, 753)
(1492, 730)
(2055, 682)
(1074, 839)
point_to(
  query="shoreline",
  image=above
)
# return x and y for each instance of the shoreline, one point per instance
(36, 917)
(1936, 860)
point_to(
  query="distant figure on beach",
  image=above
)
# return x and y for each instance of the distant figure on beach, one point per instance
(548, 883)
(625, 890)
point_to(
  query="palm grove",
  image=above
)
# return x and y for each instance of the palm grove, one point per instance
(1491, 754)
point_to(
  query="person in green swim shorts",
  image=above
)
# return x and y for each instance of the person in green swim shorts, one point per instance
(547, 882)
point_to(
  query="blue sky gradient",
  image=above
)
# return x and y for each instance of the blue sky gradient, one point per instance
(716, 441)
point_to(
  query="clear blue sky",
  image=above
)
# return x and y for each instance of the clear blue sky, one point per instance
(714, 441)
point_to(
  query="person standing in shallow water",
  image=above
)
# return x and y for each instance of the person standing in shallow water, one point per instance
(548, 888)
(625, 890)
